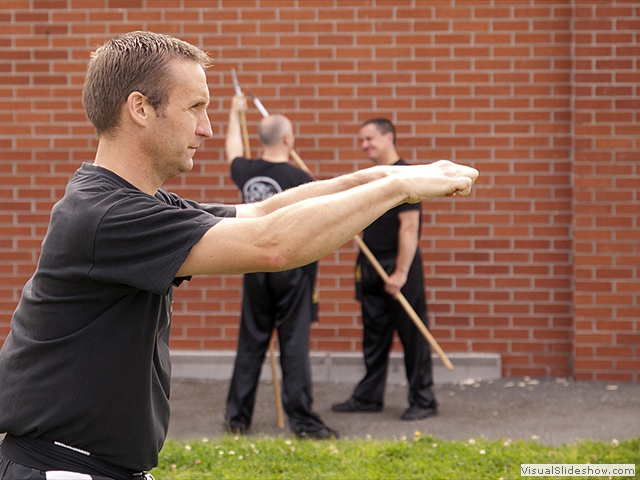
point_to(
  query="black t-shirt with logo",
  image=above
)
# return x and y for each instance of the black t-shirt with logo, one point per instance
(259, 179)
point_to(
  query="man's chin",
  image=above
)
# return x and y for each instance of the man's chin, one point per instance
(183, 167)
(187, 165)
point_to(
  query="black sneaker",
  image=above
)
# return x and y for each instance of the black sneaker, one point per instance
(325, 433)
(235, 428)
(353, 405)
(418, 413)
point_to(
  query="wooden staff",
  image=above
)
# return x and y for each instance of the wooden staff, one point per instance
(381, 271)
(276, 383)
(245, 134)
(272, 348)
(301, 163)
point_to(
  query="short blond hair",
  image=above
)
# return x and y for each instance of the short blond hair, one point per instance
(135, 61)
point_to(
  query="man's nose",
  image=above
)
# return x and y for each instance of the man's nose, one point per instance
(204, 127)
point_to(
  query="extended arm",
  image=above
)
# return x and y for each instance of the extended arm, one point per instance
(408, 233)
(307, 230)
(312, 190)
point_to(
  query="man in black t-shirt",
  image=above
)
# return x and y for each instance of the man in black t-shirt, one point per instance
(393, 239)
(85, 370)
(285, 300)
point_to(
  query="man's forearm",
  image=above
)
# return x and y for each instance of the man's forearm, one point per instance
(407, 246)
(293, 235)
(408, 234)
(313, 190)
(325, 223)
(233, 142)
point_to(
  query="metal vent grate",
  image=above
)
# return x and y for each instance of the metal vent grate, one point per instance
(341, 361)
(203, 359)
(480, 361)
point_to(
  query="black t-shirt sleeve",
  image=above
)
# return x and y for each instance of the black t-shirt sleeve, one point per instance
(143, 242)
(215, 209)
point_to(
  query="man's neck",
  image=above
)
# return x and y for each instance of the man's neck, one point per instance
(275, 155)
(388, 158)
(125, 165)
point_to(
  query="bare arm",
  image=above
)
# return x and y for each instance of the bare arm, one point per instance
(309, 229)
(313, 190)
(408, 233)
(323, 187)
(234, 147)
(291, 236)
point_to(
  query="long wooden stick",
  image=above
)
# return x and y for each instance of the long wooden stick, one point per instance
(301, 163)
(276, 383)
(272, 349)
(401, 298)
(245, 134)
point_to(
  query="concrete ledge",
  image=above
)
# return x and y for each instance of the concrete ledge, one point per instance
(337, 367)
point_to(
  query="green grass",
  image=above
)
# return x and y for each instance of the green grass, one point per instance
(413, 458)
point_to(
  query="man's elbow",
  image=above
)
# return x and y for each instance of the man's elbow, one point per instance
(278, 260)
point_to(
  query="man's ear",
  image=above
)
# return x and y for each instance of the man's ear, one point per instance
(389, 137)
(288, 139)
(138, 108)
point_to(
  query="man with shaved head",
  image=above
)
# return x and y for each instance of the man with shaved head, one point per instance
(285, 300)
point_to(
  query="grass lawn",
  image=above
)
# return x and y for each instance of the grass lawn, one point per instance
(420, 457)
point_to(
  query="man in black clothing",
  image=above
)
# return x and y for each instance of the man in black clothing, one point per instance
(85, 371)
(393, 239)
(285, 300)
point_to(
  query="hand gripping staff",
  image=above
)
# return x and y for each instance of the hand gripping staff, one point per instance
(374, 261)
(272, 350)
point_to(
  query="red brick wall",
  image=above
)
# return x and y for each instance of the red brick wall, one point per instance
(540, 264)
(606, 199)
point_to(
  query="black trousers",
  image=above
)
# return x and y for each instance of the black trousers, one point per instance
(282, 300)
(14, 471)
(381, 316)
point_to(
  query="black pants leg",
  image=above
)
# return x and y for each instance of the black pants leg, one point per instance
(14, 471)
(376, 345)
(281, 300)
(417, 351)
(255, 332)
(293, 322)
(381, 315)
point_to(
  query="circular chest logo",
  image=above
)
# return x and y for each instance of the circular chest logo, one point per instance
(257, 189)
